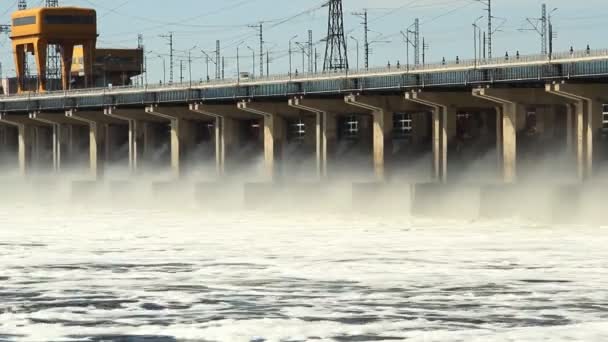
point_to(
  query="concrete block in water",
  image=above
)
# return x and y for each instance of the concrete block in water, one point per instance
(383, 197)
(284, 195)
(554, 202)
(122, 190)
(85, 189)
(446, 200)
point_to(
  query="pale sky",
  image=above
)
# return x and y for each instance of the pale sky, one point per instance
(446, 26)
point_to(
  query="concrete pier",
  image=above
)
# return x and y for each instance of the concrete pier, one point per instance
(185, 133)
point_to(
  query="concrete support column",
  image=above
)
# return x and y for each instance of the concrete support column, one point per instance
(220, 136)
(275, 134)
(382, 133)
(175, 138)
(586, 107)
(133, 135)
(24, 142)
(55, 139)
(507, 143)
(440, 134)
(181, 133)
(96, 140)
(570, 111)
(325, 133)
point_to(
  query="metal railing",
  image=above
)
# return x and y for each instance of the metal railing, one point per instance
(453, 65)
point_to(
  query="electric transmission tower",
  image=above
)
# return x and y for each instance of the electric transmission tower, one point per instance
(336, 55)
(22, 5)
(53, 62)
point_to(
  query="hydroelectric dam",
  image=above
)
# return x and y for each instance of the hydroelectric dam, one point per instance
(529, 123)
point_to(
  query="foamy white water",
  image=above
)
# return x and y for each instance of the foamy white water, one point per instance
(72, 273)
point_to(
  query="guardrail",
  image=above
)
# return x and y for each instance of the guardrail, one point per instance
(454, 65)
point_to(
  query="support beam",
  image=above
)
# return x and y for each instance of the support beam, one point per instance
(219, 126)
(586, 105)
(274, 135)
(24, 140)
(325, 132)
(508, 130)
(176, 138)
(382, 132)
(56, 138)
(96, 139)
(134, 133)
(440, 132)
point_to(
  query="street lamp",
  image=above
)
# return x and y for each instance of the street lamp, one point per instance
(290, 40)
(164, 69)
(357, 41)
(253, 64)
(238, 63)
(551, 32)
(208, 58)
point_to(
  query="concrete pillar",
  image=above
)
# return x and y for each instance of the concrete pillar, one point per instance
(325, 133)
(586, 102)
(382, 118)
(181, 133)
(24, 142)
(96, 141)
(55, 139)
(570, 112)
(221, 138)
(275, 136)
(134, 133)
(507, 143)
(440, 134)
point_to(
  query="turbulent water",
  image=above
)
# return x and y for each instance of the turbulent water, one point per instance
(78, 273)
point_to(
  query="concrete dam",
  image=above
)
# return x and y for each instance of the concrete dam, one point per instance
(483, 136)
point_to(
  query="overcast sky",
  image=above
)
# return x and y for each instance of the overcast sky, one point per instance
(446, 26)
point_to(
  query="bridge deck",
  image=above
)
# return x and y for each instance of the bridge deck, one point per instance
(531, 70)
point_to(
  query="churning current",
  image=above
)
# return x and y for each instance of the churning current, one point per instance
(85, 273)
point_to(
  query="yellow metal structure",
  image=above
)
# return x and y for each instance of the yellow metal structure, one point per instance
(34, 29)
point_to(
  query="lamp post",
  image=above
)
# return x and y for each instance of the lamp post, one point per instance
(190, 64)
(357, 41)
(164, 69)
(238, 63)
(290, 40)
(253, 63)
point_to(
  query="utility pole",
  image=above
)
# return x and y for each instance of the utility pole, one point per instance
(417, 41)
(310, 52)
(363, 15)
(540, 25)
(218, 66)
(425, 47)
(490, 32)
(267, 63)
(140, 46)
(169, 37)
(260, 27)
(550, 32)
(181, 71)
(336, 54)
